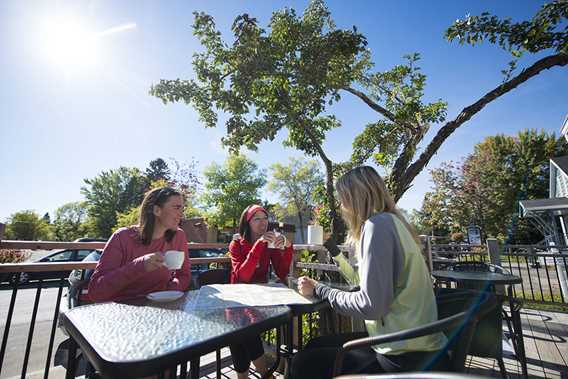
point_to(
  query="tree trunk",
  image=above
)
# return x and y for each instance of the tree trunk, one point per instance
(336, 224)
(301, 220)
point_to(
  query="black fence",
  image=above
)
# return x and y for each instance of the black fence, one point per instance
(543, 269)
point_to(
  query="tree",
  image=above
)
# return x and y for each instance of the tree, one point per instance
(439, 206)
(294, 184)
(287, 77)
(230, 188)
(27, 226)
(157, 169)
(486, 188)
(70, 221)
(111, 192)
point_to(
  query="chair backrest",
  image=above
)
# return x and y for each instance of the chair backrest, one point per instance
(486, 339)
(458, 314)
(79, 280)
(215, 276)
(471, 266)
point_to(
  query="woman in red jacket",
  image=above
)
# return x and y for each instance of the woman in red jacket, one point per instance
(132, 264)
(251, 257)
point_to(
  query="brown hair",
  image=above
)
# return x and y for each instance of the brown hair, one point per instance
(147, 220)
(244, 225)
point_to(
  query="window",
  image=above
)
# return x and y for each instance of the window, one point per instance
(82, 254)
(63, 256)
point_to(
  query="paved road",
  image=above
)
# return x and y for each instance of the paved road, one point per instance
(19, 330)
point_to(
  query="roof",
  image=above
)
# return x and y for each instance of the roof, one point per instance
(561, 163)
(554, 205)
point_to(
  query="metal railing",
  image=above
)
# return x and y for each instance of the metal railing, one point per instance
(24, 347)
(543, 269)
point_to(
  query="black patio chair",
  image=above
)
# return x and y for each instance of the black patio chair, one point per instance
(487, 341)
(78, 283)
(457, 319)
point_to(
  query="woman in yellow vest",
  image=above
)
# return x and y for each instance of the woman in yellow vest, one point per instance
(395, 287)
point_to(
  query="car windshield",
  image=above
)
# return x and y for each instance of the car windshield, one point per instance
(59, 257)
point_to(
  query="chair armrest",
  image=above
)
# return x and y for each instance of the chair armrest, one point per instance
(424, 330)
(456, 320)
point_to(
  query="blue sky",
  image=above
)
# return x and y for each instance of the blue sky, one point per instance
(62, 123)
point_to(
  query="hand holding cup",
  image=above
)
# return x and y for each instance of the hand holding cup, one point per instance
(153, 261)
(173, 259)
(269, 237)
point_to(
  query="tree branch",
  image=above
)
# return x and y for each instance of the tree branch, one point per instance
(469, 111)
(374, 106)
(379, 109)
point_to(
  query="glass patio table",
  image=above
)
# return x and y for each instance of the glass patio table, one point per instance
(145, 338)
(483, 280)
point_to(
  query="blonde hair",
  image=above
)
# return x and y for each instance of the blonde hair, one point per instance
(363, 193)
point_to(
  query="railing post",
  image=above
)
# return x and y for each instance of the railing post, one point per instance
(427, 250)
(495, 258)
(2, 229)
(493, 251)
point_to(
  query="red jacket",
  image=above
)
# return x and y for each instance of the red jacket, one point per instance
(120, 273)
(250, 263)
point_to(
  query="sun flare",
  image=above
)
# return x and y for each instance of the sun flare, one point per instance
(72, 44)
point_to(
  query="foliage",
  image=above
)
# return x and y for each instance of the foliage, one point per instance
(294, 184)
(486, 188)
(230, 188)
(28, 226)
(546, 30)
(157, 169)
(128, 218)
(13, 255)
(112, 192)
(70, 221)
(288, 76)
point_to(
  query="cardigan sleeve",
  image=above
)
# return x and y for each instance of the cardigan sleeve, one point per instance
(380, 266)
(281, 261)
(110, 276)
(244, 262)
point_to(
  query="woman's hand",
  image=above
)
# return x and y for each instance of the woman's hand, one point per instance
(153, 261)
(281, 242)
(268, 237)
(306, 286)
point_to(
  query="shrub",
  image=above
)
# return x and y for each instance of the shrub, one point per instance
(13, 256)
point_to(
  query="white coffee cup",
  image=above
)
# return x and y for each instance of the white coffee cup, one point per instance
(272, 245)
(173, 259)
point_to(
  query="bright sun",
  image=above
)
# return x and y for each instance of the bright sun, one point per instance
(71, 45)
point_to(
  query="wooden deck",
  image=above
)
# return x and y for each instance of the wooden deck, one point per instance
(546, 344)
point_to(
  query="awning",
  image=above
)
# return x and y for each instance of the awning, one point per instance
(555, 206)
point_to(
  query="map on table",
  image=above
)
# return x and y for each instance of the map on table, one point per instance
(246, 295)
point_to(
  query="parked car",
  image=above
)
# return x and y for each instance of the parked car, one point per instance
(58, 256)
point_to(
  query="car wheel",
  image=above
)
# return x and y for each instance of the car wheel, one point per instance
(24, 278)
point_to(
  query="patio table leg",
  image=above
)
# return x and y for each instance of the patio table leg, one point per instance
(517, 332)
(194, 368)
(183, 370)
(71, 359)
(278, 354)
